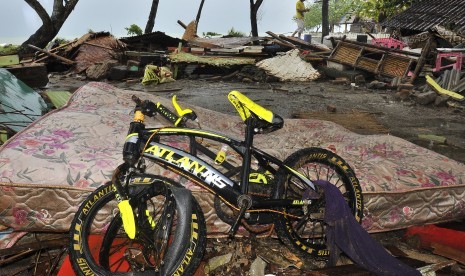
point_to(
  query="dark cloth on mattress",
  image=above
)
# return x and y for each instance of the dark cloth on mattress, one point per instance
(345, 234)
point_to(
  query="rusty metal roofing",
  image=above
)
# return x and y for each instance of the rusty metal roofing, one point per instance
(425, 14)
(160, 37)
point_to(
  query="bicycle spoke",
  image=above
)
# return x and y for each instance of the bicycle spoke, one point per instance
(304, 226)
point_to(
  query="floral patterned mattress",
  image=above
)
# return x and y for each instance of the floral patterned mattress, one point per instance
(47, 169)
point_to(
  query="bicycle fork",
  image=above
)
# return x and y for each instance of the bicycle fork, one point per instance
(125, 208)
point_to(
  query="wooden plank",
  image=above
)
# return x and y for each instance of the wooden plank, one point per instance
(58, 98)
(422, 60)
(253, 49)
(197, 50)
(225, 50)
(303, 43)
(9, 60)
(282, 41)
(295, 40)
(65, 60)
(448, 252)
(443, 91)
(42, 56)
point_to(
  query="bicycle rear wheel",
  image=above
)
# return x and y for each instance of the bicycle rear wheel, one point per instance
(100, 246)
(303, 226)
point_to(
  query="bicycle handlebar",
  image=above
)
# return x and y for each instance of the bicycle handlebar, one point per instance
(151, 109)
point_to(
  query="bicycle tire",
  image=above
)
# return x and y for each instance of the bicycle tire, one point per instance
(98, 241)
(304, 229)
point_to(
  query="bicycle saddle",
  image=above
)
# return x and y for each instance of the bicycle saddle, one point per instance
(266, 121)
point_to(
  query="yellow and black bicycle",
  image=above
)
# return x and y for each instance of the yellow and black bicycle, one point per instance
(141, 223)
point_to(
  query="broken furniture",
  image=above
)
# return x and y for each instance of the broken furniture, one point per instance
(453, 58)
(377, 61)
(388, 43)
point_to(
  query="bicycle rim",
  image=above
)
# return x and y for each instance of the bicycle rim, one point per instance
(99, 244)
(304, 226)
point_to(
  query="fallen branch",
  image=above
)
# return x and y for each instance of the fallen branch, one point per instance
(65, 60)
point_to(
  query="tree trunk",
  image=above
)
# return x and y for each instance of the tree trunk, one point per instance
(199, 12)
(152, 15)
(253, 16)
(324, 19)
(51, 25)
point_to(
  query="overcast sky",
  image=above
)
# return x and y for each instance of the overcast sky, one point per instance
(18, 21)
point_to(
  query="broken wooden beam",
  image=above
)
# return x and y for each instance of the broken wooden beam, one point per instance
(421, 61)
(303, 43)
(448, 252)
(282, 42)
(65, 60)
(433, 84)
(53, 50)
(182, 24)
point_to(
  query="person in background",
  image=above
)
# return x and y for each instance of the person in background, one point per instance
(299, 17)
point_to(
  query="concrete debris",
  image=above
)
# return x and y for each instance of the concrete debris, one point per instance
(289, 67)
(377, 85)
(427, 98)
(100, 70)
(258, 267)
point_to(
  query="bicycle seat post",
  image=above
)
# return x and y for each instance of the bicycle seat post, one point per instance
(244, 201)
(249, 133)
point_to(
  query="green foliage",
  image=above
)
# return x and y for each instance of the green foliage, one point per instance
(210, 34)
(8, 49)
(134, 30)
(234, 33)
(337, 10)
(369, 9)
(380, 9)
(61, 40)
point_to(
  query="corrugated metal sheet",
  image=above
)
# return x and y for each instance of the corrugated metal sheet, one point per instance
(20, 105)
(428, 13)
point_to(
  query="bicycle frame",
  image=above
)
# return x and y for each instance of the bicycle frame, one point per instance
(189, 165)
(145, 142)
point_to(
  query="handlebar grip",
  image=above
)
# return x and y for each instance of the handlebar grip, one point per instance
(170, 116)
(147, 107)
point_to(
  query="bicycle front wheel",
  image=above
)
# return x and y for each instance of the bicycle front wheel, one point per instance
(303, 226)
(100, 246)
